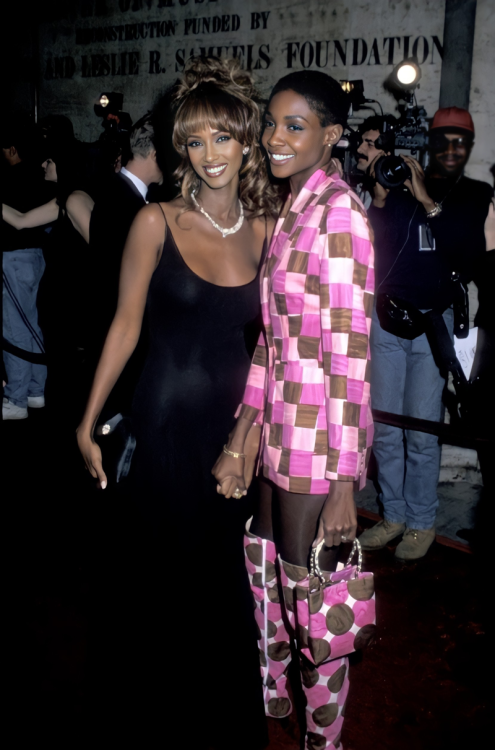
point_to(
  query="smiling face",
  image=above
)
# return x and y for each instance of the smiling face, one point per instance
(450, 158)
(50, 170)
(294, 139)
(215, 156)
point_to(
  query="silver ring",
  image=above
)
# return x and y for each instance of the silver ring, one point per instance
(344, 538)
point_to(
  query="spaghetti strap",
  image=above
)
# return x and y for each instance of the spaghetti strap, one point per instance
(163, 213)
(165, 220)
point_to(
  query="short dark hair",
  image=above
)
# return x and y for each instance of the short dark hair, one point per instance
(71, 162)
(324, 94)
(379, 122)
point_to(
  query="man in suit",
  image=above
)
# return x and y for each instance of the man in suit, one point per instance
(113, 215)
(110, 224)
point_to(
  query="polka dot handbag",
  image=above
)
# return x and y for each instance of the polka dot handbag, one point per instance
(341, 615)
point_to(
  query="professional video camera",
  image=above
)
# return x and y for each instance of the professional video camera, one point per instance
(115, 122)
(408, 132)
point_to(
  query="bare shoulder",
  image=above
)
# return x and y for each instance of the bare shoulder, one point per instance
(150, 219)
(79, 198)
(174, 207)
(178, 215)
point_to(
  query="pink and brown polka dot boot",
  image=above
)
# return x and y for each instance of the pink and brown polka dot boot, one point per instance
(325, 681)
(274, 641)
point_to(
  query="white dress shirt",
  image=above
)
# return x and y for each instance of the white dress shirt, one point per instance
(364, 195)
(143, 189)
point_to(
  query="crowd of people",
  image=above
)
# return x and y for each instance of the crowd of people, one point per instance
(239, 330)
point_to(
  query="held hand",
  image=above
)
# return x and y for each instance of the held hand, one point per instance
(416, 185)
(338, 518)
(229, 473)
(490, 227)
(91, 454)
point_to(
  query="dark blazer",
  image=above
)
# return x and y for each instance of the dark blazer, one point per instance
(110, 223)
(111, 220)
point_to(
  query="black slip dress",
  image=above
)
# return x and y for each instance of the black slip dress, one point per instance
(193, 643)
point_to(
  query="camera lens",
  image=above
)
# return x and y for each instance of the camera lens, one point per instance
(391, 171)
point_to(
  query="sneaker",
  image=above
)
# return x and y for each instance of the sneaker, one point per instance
(11, 411)
(415, 544)
(36, 402)
(381, 534)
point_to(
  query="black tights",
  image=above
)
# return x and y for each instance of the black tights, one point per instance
(291, 521)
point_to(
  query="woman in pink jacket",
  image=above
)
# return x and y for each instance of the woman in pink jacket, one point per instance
(307, 399)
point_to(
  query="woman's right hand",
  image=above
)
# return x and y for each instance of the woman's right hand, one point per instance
(91, 454)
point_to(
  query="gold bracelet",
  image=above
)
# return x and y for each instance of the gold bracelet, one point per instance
(232, 454)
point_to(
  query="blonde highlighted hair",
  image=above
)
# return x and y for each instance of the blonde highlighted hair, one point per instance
(218, 94)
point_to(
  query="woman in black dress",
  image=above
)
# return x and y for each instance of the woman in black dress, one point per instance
(193, 264)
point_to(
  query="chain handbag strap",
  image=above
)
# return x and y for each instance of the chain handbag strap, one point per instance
(315, 570)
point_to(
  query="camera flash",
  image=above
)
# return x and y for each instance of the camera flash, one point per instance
(104, 100)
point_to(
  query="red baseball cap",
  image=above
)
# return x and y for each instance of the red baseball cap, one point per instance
(453, 119)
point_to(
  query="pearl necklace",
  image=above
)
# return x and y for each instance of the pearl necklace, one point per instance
(224, 232)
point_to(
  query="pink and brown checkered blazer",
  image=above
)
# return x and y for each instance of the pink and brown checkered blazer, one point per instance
(309, 379)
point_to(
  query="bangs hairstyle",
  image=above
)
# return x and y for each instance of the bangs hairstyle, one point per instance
(217, 94)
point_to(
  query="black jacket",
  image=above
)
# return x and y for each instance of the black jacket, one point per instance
(110, 224)
(422, 277)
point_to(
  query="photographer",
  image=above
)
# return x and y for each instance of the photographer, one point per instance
(371, 131)
(423, 234)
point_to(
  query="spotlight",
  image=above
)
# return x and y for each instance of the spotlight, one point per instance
(407, 74)
(109, 102)
(355, 90)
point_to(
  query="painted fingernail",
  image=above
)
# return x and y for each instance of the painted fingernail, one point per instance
(103, 485)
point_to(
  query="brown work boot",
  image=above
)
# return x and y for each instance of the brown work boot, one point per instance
(381, 534)
(415, 544)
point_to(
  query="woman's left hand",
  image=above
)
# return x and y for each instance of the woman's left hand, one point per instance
(338, 520)
(229, 473)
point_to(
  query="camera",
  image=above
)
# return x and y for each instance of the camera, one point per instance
(391, 171)
(115, 122)
(409, 132)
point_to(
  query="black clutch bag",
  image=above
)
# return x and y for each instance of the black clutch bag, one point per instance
(398, 317)
(117, 445)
